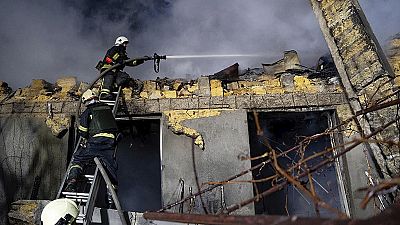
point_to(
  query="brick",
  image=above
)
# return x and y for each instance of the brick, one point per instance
(204, 86)
(40, 107)
(18, 107)
(204, 102)
(324, 99)
(337, 98)
(193, 103)
(70, 107)
(6, 108)
(230, 101)
(169, 94)
(273, 101)
(137, 107)
(57, 107)
(217, 102)
(152, 106)
(258, 102)
(216, 88)
(287, 100)
(300, 100)
(312, 99)
(165, 104)
(179, 103)
(243, 101)
(287, 80)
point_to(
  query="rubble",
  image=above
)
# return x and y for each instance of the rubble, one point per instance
(58, 125)
(26, 212)
(5, 91)
(289, 63)
(393, 53)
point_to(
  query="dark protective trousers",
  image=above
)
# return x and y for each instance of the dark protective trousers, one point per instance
(119, 78)
(100, 147)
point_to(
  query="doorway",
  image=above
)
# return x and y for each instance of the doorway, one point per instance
(139, 166)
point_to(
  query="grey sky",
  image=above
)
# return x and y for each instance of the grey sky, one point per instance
(48, 39)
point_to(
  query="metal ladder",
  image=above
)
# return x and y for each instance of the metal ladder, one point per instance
(85, 197)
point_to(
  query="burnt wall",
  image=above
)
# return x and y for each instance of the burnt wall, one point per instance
(225, 139)
(33, 161)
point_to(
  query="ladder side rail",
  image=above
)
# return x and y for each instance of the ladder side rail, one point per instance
(114, 110)
(92, 198)
(114, 195)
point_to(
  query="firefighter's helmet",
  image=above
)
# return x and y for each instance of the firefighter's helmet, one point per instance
(60, 210)
(120, 40)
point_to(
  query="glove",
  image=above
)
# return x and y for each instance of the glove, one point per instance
(83, 143)
(122, 62)
(139, 61)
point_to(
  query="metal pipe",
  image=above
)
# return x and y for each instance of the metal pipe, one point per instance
(391, 216)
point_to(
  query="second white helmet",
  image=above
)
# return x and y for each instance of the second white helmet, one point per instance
(120, 40)
(59, 209)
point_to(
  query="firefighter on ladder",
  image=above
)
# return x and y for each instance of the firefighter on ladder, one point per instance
(115, 55)
(99, 128)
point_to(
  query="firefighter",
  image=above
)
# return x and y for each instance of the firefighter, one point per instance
(99, 128)
(116, 55)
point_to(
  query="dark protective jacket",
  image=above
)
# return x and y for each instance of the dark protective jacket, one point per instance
(97, 121)
(117, 55)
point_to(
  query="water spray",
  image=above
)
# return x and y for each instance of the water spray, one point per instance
(157, 58)
(210, 56)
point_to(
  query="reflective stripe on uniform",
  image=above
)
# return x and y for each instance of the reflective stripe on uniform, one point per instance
(77, 166)
(104, 90)
(82, 128)
(106, 66)
(108, 135)
(115, 56)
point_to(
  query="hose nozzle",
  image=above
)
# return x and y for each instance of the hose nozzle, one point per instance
(157, 59)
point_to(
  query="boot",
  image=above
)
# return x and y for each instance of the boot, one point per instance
(71, 185)
(72, 180)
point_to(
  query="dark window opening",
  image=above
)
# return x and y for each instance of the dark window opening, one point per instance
(283, 130)
(139, 168)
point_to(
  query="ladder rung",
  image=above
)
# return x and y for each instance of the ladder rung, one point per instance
(115, 92)
(89, 177)
(77, 199)
(80, 216)
(107, 101)
(76, 193)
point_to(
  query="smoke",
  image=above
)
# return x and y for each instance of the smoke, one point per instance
(49, 39)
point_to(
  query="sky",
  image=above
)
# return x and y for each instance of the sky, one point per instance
(49, 39)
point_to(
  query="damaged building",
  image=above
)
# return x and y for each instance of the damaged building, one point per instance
(282, 139)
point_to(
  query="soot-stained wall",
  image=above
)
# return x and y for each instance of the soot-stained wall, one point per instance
(33, 161)
(225, 138)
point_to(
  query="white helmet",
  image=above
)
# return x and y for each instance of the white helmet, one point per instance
(58, 209)
(120, 40)
(88, 95)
